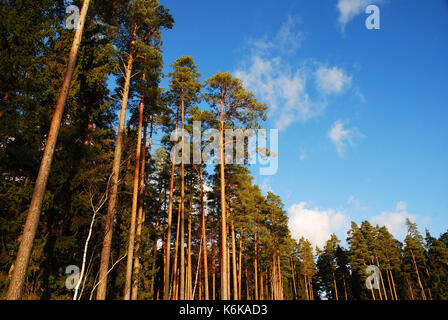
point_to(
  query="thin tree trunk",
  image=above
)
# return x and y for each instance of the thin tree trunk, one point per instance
(247, 279)
(228, 261)
(15, 287)
(256, 268)
(84, 257)
(261, 294)
(381, 277)
(306, 287)
(135, 192)
(108, 230)
(189, 270)
(175, 270)
(153, 269)
(240, 264)
(345, 287)
(166, 278)
(182, 212)
(335, 287)
(213, 265)
(393, 285)
(204, 242)
(224, 270)
(235, 279)
(418, 276)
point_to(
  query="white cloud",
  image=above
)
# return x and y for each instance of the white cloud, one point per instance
(315, 224)
(341, 136)
(269, 74)
(287, 39)
(395, 221)
(348, 9)
(284, 90)
(332, 80)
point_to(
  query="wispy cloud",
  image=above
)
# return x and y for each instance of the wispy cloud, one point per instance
(332, 80)
(343, 137)
(269, 73)
(356, 203)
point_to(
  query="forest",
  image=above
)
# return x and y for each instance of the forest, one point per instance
(94, 204)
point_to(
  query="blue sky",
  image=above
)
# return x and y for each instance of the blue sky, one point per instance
(362, 113)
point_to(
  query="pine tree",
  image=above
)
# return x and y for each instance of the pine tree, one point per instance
(230, 103)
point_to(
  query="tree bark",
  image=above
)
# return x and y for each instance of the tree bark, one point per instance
(166, 278)
(107, 242)
(141, 215)
(135, 192)
(418, 276)
(175, 270)
(204, 242)
(15, 287)
(224, 271)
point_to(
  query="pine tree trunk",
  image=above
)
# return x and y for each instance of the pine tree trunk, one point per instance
(135, 191)
(335, 287)
(153, 269)
(393, 285)
(182, 212)
(306, 287)
(256, 268)
(228, 262)
(381, 277)
(224, 270)
(261, 294)
(189, 270)
(240, 264)
(418, 276)
(235, 278)
(390, 284)
(140, 216)
(32, 221)
(204, 242)
(166, 278)
(345, 287)
(293, 279)
(175, 270)
(107, 242)
(213, 265)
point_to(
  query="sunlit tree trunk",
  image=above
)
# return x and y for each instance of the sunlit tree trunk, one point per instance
(204, 242)
(140, 215)
(418, 276)
(182, 212)
(175, 270)
(131, 243)
(17, 281)
(224, 270)
(166, 278)
(107, 242)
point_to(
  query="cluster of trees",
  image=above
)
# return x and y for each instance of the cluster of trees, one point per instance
(413, 270)
(82, 185)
